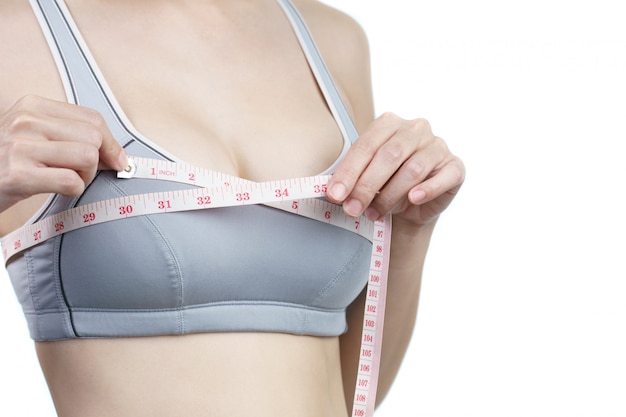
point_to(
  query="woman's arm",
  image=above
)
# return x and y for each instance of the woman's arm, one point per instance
(395, 166)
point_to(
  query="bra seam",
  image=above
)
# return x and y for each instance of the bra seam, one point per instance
(60, 290)
(167, 247)
(296, 306)
(32, 287)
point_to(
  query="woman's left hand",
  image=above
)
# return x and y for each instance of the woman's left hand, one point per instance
(397, 166)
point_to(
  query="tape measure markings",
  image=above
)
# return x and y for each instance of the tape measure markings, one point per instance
(173, 201)
(189, 174)
(373, 319)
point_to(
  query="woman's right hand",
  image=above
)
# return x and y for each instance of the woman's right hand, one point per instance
(49, 146)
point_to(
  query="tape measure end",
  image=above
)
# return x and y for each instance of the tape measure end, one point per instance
(129, 171)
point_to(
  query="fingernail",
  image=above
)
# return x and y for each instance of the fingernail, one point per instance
(372, 214)
(338, 191)
(353, 207)
(417, 196)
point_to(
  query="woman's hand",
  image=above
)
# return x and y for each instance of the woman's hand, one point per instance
(397, 166)
(48, 146)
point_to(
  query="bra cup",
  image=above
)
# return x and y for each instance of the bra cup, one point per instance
(259, 254)
(112, 264)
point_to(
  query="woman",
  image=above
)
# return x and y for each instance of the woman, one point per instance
(156, 316)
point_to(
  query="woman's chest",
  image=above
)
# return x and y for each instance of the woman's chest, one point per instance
(226, 92)
(228, 89)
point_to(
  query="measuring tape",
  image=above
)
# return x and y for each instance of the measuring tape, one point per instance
(302, 196)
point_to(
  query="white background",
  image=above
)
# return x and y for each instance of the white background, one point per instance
(523, 310)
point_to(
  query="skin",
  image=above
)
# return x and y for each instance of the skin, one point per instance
(50, 146)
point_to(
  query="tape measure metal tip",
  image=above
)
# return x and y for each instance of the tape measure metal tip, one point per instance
(129, 171)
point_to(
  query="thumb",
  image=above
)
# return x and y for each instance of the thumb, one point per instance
(112, 155)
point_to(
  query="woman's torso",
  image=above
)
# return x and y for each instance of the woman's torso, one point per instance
(211, 119)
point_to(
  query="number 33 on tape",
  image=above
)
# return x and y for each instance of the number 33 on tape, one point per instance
(302, 196)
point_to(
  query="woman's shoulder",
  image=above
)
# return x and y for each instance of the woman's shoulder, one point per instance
(329, 24)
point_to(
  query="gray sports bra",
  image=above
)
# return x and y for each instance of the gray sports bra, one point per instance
(165, 274)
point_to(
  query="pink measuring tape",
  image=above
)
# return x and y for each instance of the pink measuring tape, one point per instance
(300, 196)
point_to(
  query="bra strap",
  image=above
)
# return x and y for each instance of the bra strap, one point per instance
(81, 79)
(320, 71)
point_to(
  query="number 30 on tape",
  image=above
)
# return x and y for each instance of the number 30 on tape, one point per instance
(301, 196)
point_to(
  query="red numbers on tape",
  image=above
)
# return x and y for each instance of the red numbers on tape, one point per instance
(89, 217)
(204, 200)
(163, 205)
(373, 319)
(242, 196)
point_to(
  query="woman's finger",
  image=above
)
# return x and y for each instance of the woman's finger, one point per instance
(413, 171)
(447, 180)
(402, 158)
(55, 120)
(81, 157)
(52, 180)
(359, 157)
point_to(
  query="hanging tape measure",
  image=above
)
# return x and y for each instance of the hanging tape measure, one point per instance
(302, 196)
